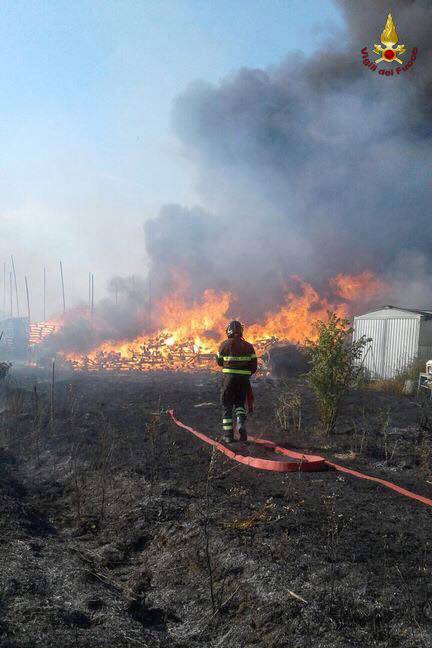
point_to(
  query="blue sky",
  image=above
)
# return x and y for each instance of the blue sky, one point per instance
(87, 152)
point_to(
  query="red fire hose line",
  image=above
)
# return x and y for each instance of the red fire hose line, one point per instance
(303, 462)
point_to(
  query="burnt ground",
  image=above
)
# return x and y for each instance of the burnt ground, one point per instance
(119, 529)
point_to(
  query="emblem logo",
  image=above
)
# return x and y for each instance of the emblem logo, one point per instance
(389, 39)
(389, 52)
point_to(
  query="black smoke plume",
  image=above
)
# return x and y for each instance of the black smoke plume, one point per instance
(314, 167)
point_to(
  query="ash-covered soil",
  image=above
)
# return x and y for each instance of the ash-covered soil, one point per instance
(119, 529)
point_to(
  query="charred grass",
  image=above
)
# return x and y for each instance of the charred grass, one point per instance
(119, 529)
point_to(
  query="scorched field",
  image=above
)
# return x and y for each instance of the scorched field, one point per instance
(120, 529)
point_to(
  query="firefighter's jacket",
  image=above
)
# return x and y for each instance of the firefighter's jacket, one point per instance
(237, 356)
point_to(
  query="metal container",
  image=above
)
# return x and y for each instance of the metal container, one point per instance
(399, 336)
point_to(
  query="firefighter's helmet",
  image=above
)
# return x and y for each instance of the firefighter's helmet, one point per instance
(234, 328)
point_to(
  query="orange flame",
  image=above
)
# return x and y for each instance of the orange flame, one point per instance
(294, 321)
(38, 332)
(190, 334)
(351, 287)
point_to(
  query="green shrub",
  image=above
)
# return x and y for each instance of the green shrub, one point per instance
(333, 371)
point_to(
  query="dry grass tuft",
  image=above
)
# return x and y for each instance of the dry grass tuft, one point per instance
(396, 385)
(288, 408)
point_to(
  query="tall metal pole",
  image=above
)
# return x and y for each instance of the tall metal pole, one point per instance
(28, 298)
(52, 408)
(44, 295)
(149, 301)
(16, 286)
(4, 289)
(10, 294)
(63, 289)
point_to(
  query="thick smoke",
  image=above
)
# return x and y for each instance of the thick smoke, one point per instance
(124, 315)
(313, 167)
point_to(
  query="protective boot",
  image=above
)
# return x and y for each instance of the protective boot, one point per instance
(228, 432)
(242, 429)
(241, 423)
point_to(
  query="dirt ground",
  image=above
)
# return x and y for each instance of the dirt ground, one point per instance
(119, 529)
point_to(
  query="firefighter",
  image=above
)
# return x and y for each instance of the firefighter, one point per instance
(238, 361)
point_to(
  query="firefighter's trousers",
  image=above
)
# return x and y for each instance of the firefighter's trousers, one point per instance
(233, 397)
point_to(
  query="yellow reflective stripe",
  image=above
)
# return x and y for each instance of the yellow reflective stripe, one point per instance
(227, 427)
(253, 356)
(244, 372)
(237, 358)
(227, 420)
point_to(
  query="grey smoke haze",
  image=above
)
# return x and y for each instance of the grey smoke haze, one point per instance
(314, 167)
(123, 315)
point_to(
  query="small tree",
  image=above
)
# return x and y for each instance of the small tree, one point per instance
(333, 366)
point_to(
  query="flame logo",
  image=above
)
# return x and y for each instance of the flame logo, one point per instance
(389, 38)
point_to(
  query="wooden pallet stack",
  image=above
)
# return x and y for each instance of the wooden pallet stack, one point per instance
(38, 332)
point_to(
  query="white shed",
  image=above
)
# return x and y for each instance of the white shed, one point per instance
(399, 336)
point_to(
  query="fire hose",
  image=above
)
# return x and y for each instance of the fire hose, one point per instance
(297, 461)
